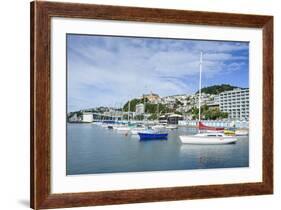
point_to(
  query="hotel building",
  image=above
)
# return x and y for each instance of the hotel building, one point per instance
(235, 103)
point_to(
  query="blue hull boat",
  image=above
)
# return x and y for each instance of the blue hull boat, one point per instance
(151, 136)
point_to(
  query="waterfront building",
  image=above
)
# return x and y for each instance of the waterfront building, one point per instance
(163, 119)
(113, 114)
(170, 118)
(139, 109)
(174, 118)
(87, 117)
(73, 117)
(235, 103)
(214, 102)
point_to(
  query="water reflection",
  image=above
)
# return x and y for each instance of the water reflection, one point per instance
(93, 149)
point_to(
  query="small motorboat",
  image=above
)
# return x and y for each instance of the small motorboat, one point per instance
(151, 135)
(110, 126)
(97, 123)
(171, 127)
(229, 132)
(117, 126)
(208, 138)
(135, 131)
(158, 127)
(241, 132)
(123, 129)
(104, 125)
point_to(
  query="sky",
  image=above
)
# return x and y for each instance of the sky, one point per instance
(109, 70)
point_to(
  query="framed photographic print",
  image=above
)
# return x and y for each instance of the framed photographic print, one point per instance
(141, 105)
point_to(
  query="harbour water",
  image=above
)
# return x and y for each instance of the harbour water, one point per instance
(93, 149)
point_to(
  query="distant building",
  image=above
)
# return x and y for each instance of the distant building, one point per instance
(206, 99)
(139, 109)
(73, 117)
(214, 102)
(216, 99)
(213, 106)
(163, 119)
(235, 103)
(87, 117)
(152, 97)
(174, 118)
(170, 118)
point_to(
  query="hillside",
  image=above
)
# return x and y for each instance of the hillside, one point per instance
(149, 107)
(216, 89)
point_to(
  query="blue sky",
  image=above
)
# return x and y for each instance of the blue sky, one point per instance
(108, 70)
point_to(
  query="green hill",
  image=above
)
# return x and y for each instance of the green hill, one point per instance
(217, 89)
(149, 107)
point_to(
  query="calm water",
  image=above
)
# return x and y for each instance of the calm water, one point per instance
(93, 149)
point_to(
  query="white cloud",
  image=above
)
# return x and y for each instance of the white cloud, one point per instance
(117, 69)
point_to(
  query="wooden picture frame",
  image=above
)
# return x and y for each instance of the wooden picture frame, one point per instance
(40, 188)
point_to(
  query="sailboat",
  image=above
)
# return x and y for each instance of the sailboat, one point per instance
(171, 127)
(155, 133)
(158, 126)
(125, 128)
(136, 130)
(209, 137)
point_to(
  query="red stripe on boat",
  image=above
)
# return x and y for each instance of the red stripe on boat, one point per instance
(201, 126)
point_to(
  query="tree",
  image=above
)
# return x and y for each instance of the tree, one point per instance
(217, 89)
(149, 107)
(153, 117)
(207, 113)
(177, 112)
(133, 104)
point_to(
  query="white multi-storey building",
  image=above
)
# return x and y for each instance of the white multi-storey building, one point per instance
(139, 109)
(87, 117)
(235, 103)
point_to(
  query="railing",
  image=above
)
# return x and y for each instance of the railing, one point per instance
(216, 123)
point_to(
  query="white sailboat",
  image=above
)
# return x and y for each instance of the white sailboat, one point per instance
(97, 123)
(158, 127)
(171, 127)
(136, 130)
(206, 138)
(125, 128)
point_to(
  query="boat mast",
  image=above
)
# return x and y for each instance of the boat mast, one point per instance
(200, 78)
(143, 107)
(157, 111)
(116, 112)
(129, 110)
(122, 112)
